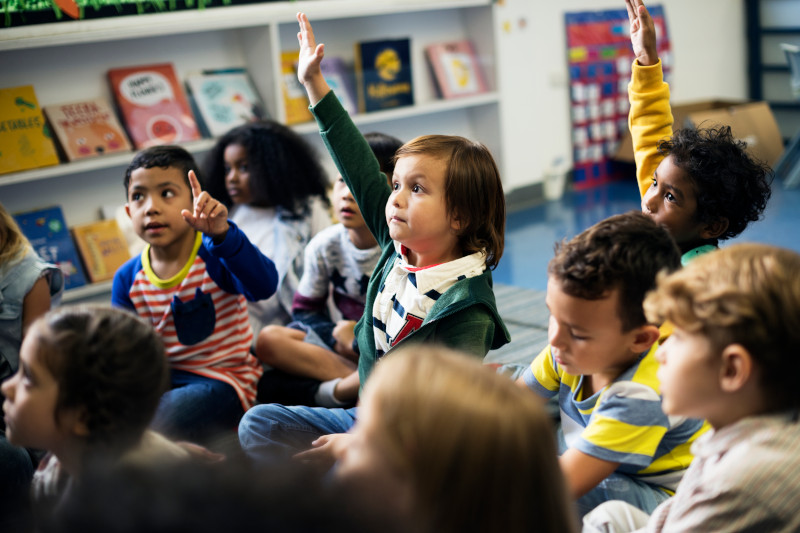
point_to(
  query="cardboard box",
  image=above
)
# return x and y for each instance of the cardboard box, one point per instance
(751, 122)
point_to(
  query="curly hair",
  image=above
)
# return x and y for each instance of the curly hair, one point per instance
(108, 363)
(624, 252)
(729, 183)
(284, 169)
(163, 156)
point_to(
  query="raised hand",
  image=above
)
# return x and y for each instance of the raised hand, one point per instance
(311, 54)
(210, 216)
(643, 33)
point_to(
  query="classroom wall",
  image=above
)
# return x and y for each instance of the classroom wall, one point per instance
(710, 61)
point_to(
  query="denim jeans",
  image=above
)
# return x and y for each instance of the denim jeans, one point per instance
(273, 432)
(197, 409)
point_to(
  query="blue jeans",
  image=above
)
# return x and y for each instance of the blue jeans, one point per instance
(197, 409)
(273, 432)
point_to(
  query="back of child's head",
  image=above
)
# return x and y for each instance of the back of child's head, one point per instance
(384, 147)
(284, 169)
(747, 294)
(728, 183)
(163, 156)
(473, 191)
(624, 252)
(479, 451)
(109, 365)
(12, 241)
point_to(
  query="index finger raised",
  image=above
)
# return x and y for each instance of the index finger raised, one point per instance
(194, 183)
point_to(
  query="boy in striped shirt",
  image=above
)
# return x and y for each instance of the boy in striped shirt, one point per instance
(192, 282)
(615, 441)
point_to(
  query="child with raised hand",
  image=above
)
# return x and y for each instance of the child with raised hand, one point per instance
(732, 360)
(447, 443)
(192, 282)
(338, 261)
(440, 225)
(615, 441)
(272, 181)
(700, 184)
(88, 384)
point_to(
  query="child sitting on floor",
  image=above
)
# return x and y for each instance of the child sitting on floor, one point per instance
(700, 184)
(615, 441)
(732, 359)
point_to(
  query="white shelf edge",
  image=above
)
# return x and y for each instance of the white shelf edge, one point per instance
(87, 291)
(209, 19)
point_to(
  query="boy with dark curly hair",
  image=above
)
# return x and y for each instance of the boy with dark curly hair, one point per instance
(699, 184)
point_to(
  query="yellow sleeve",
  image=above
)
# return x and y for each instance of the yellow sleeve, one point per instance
(650, 119)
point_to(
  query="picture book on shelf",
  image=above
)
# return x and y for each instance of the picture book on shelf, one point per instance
(340, 78)
(295, 100)
(117, 212)
(47, 232)
(383, 74)
(153, 105)
(87, 129)
(25, 139)
(223, 99)
(102, 247)
(456, 69)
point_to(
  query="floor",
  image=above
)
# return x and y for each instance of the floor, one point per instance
(531, 232)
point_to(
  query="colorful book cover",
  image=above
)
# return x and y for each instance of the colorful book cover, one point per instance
(153, 105)
(456, 69)
(102, 247)
(87, 129)
(25, 139)
(295, 99)
(47, 232)
(340, 78)
(223, 99)
(383, 74)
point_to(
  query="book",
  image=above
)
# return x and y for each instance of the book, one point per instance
(153, 105)
(295, 99)
(340, 78)
(456, 69)
(47, 232)
(223, 99)
(87, 129)
(383, 74)
(25, 139)
(117, 212)
(103, 248)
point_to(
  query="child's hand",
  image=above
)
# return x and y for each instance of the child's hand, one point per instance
(344, 335)
(311, 53)
(643, 33)
(210, 216)
(325, 450)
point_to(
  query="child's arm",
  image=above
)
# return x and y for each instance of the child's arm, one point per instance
(36, 303)
(583, 472)
(210, 216)
(650, 119)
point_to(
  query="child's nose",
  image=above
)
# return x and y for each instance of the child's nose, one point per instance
(7, 387)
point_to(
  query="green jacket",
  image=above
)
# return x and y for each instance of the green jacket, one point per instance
(465, 317)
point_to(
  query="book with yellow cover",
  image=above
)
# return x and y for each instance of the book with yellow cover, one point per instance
(295, 100)
(102, 248)
(25, 140)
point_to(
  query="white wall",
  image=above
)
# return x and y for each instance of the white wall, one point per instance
(710, 61)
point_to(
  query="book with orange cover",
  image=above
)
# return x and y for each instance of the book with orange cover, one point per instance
(456, 69)
(153, 105)
(102, 247)
(87, 129)
(25, 139)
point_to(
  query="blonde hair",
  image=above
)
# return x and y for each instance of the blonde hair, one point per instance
(746, 294)
(478, 450)
(13, 242)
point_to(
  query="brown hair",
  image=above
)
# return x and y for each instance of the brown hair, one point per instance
(623, 252)
(479, 450)
(12, 241)
(746, 294)
(473, 191)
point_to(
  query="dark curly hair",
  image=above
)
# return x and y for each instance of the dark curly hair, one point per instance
(109, 364)
(284, 169)
(729, 183)
(624, 252)
(163, 156)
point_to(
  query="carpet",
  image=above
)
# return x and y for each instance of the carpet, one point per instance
(525, 315)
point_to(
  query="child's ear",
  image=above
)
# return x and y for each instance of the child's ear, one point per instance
(74, 422)
(644, 337)
(714, 229)
(736, 369)
(128, 209)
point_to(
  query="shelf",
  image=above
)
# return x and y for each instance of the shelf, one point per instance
(209, 19)
(87, 291)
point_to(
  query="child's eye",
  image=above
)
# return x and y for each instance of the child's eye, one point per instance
(243, 167)
(136, 196)
(655, 182)
(227, 169)
(168, 193)
(670, 197)
(395, 186)
(577, 337)
(416, 188)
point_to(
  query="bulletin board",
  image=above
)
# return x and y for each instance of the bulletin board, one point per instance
(599, 57)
